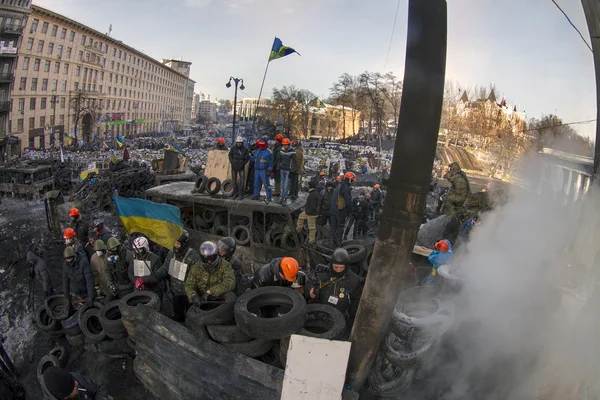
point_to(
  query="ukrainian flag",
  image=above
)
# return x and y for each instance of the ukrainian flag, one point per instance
(279, 50)
(176, 148)
(161, 223)
(120, 141)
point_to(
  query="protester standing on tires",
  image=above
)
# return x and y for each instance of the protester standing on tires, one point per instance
(210, 278)
(221, 144)
(80, 227)
(341, 207)
(77, 276)
(310, 213)
(98, 264)
(58, 384)
(179, 262)
(279, 272)
(145, 268)
(238, 158)
(40, 272)
(338, 287)
(320, 182)
(263, 166)
(287, 164)
(117, 270)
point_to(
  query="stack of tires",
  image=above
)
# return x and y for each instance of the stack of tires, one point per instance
(57, 357)
(212, 186)
(418, 322)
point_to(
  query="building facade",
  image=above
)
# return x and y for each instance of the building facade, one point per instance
(184, 68)
(13, 19)
(74, 81)
(195, 107)
(207, 110)
(246, 108)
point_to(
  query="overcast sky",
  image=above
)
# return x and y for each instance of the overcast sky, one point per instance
(526, 47)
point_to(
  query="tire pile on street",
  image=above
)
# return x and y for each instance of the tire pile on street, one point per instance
(418, 323)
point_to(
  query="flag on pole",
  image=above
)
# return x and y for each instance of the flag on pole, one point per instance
(120, 141)
(176, 148)
(279, 50)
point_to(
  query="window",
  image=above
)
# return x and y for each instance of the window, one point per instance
(110, 78)
(44, 84)
(62, 105)
(80, 58)
(40, 47)
(114, 91)
(72, 36)
(100, 88)
(76, 86)
(50, 48)
(20, 125)
(63, 33)
(59, 50)
(66, 69)
(63, 86)
(34, 25)
(85, 73)
(120, 92)
(36, 64)
(32, 103)
(112, 65)
(31, 123)
(114, 104)
(43, 103)
(54, 84)
(62, 118)
(42, 122)
(21, 104)
(29, 44)
(45, 27)
(47, 66)
(54, 30)
(109, 91)
(114, 51)
(56, 67)
(52, 120)
(121, 79)
(68, 52)
(119, 54)
(87, 56)
(23, 84)
(83, 38)
(78, 71)
(101, 75)
(25, 63)
(34, 84)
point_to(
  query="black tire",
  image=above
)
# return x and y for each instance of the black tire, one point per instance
(97, 304)
(91, 327)
(61, 355)
(241, 233)
(213, 186)
(323, 321)
(357, 253)
(405, 354)
(387, 380)
(45, 322)
(220, 230)
(212, 313)
(70, 325)
(289, 242)
(45, 363)
(194, 326)
(144, 297)
(57, 307)
(75, 341)
(208, 215)
(200, 223)
(253, 348)
(273, 235)
(227, 334)
(110, 318)
(227, 187)
(200, 186)
(281, 326)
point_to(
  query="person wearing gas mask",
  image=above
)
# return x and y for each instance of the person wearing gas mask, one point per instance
(145, 267)
(116, 270)
(77, 277)
(338, 287)
(80, 227)
(98, 264)
(212, 277)
(179, 263)
(39, 271)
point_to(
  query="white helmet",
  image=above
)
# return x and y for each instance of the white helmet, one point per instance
(239, 139)
(141, 242)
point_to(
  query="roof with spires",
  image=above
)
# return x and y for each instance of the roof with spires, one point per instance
(464, 97)
(492, 96)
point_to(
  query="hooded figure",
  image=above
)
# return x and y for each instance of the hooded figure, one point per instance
(454, 202)
(41, 273)
(58, 384)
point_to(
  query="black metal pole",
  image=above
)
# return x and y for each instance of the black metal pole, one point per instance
(408, 185)
(234, 111)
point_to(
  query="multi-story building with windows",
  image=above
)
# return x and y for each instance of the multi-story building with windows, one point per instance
(13, 18)
(73, 80)
(184, 67)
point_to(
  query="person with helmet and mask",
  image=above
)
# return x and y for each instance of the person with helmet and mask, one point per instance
(80, 227)
(116, 270)
(70, 237)
(238, 158)
(280, 271)
(179, 262)
(263, 165)
(59, 384)
(277, 147)
(376, 200)
(102, 232)
(338, 286)
(221, 144)
(212, 277)
(341, 207)
(287, 164)
(77, 276)
(295, 175)
(145, 267)
(98, 264)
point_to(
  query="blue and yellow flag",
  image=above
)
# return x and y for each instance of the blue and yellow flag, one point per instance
(161, 223)
(176, 148)
(120, 141)
(279, 50)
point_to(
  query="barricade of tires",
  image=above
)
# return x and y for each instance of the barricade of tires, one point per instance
(213, 186)
(418, 322)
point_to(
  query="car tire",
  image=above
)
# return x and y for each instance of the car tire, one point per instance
(213, 186)
(91, 327)
(324, 322)
(46, 362)
(387, 380)
(110, 318)
(70, 325)
(143, 297)
(284, 325)
(97, 304)
(76, 340)
(200, 186)
(227, 334)
(194, 326)
(45, 322)
(212, 313)
(357, 253)
(61, 355)
(241, 233)
(227, 187)
(220, 230)
(57, 307)
(200, 223)
(253, 348)
(273, 235)
(405, 354)
(208, 215)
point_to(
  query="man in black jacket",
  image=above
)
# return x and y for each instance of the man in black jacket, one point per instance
(40, 272)
(77, 276)
(79, 225)
(325, 207)
(341, 207)
(58, 384)
(116, 270)
(238, 158)
(279, 272)
(359, 217)
(311, 212)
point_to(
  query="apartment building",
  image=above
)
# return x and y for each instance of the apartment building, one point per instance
(184, 67)
(207, 110)
(74, 81)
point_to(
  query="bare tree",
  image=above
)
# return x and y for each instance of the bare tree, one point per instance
(305, 99)
(392, 91)
(284, 101)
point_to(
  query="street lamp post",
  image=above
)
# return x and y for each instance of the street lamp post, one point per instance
(228, 85)
(54, 100)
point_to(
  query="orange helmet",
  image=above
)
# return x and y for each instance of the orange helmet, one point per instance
(221, 140)
(350, 175)
(295, 143)
(279, 138)
(322, 173)
(377, 186)
(338, 178)
(442, 246)
(74, 212)
(285, 141)
(69, 233)
(289, 267)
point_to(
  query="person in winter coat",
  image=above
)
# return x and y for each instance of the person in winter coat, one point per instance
(80, 227)
(211, 277)
(279, 272)
(40, 272)
(58, 384)
(320, 181)
(338, 287)
(295, 175)
(310, 212)
(116, 270)
(227, 247)
(178, 265)
(440, 256)
(145, 267)
(341, 207)
(276, 153)
(325, 209)
(287, 164)
(102, 232)
(376, 200)
(221, 144)
(238, 158)
(249, 188)
(77, 276)
(454, 202)
(263, 166)
(359, 217)
(98, 264)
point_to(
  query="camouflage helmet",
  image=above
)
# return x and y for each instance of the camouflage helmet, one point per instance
(112, 242)
(99, 245)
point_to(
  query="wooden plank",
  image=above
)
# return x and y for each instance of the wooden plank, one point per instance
(217, 165)
(422, 251)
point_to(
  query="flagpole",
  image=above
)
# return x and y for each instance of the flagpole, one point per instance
(259, 97)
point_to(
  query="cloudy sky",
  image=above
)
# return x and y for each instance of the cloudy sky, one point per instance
(525, 47)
